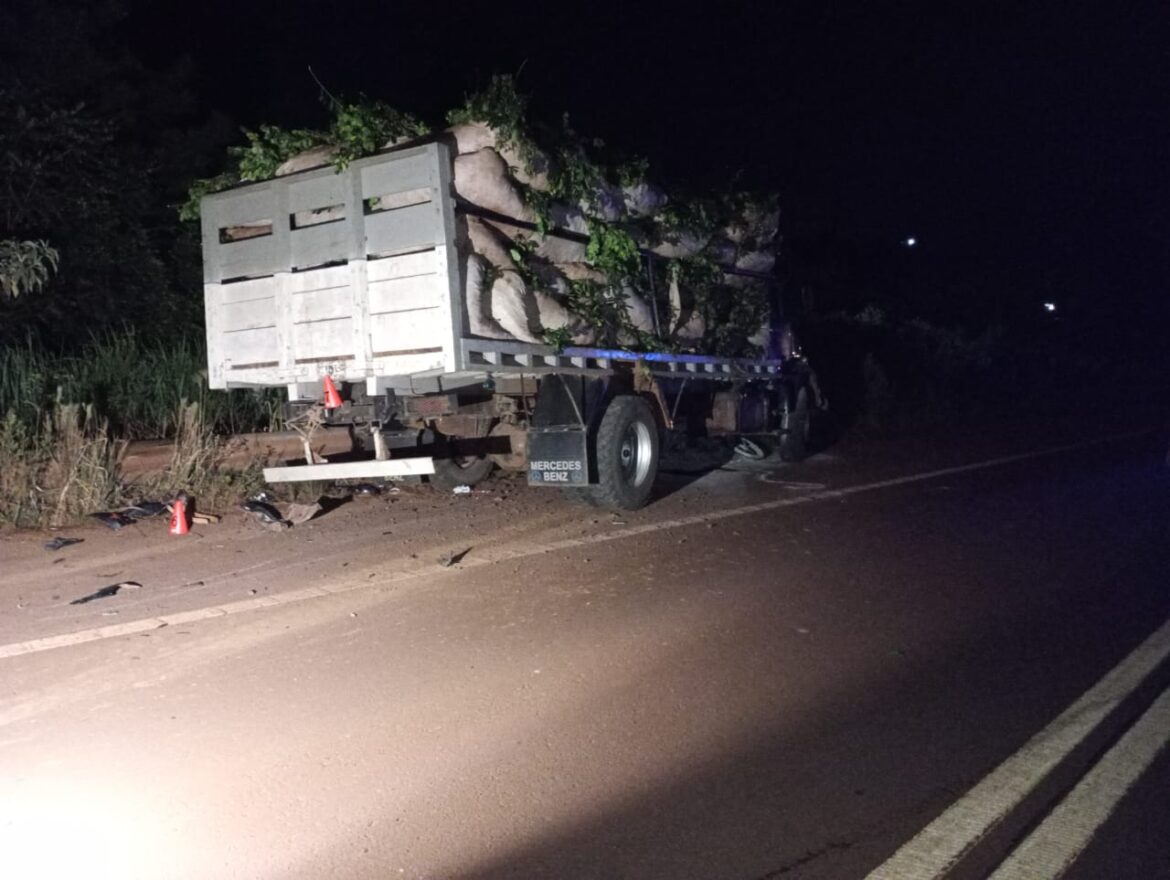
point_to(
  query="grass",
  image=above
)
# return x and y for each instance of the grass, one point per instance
(136, 385)
(66, 419)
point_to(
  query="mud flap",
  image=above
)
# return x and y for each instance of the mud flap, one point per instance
(558, 435)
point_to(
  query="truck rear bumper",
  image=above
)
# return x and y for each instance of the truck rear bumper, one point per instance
(351, 470)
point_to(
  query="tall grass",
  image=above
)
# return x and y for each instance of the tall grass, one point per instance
(65, 420)
(135, 385)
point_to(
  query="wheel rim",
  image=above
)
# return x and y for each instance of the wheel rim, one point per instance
(635, 454)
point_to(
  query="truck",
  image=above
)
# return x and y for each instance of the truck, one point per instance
(345, 289)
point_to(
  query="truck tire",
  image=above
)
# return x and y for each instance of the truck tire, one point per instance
(796, 426)
(627, 455)
(454, 469)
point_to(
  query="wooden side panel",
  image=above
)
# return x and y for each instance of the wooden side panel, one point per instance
(402, 266)
(241, 348)
(407, 331)
(404, 294)
(247, 314)
(323, 339)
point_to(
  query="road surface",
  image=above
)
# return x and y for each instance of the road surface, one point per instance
(896, 660)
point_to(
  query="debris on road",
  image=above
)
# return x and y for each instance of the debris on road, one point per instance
(205, 519)
(113, 519)
(107, 592)
(364, 490)
(58, 543)
(449, 559)
(301, 513)
(462, 490)
(145, 509)
(746, 448)
(264, 512)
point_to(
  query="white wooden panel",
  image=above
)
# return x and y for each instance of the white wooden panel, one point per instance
(323, 339)
(318, 245)
(313, 191)
(406, 294)
(405, 364)
(351, 470)
(396, 173)
(322, 305)
(392, 201)
(407, 331)
(253, 288)
(396, 232)
(249, 346)
(319, 279)
(402, 266)
(248, 315)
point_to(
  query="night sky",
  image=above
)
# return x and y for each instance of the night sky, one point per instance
(1021, 143)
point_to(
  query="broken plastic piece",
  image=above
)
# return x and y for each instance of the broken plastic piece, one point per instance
(106, 592)
(746, 448)
(143, 509)
(58, 543)
(113, 519)
(263, 510)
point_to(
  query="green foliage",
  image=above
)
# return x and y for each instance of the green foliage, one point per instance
(25, 266)
(501, 107)
(271, 147)
(612, 250)
(189, 210)
(357, 129)
(364, 127)
(632, 172)
(558, 337)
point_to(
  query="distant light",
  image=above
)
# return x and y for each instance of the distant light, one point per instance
(910, 242)
(1050, 307)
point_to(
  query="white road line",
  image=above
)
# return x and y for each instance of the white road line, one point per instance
(16, 649)
(944, 842)
(1049, 850)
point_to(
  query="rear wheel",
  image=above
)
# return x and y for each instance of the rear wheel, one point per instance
(627, 455)
(796, 427)
(460, 462)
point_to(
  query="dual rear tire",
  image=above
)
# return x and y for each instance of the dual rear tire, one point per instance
(626, 457)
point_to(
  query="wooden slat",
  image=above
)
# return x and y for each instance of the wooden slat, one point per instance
(323, 338)
(420, 328)
(317, 245)
(322, 305)
(405, 294)
(249, 346)
(402, 266)
(247, 315)
(253, 288)
(319, 279)
(413, 228)
(397, 173)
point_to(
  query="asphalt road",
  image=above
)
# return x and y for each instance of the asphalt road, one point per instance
(772, 672)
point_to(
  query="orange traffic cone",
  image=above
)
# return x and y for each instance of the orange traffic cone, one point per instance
(332, 398)
(180, 523)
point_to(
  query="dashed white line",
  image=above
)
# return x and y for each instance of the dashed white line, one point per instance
(16, 649)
